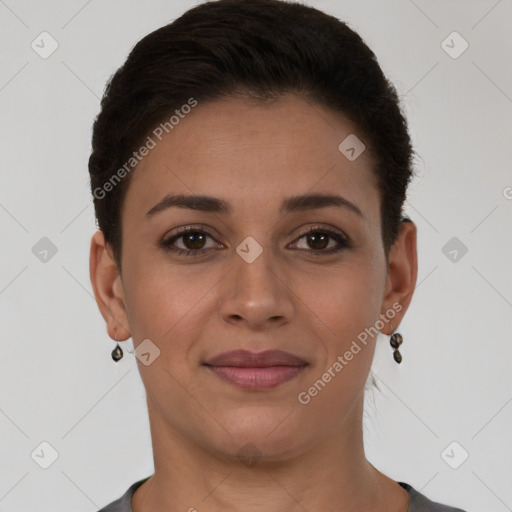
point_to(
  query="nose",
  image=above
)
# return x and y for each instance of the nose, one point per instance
(256, 294)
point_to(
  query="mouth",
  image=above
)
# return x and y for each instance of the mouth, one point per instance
(256, 371)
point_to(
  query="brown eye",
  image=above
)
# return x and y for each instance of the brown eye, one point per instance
(318, 240)
(192, 239)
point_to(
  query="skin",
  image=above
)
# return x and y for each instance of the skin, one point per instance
(311, 457)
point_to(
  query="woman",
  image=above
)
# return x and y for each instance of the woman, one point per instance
(249, 169)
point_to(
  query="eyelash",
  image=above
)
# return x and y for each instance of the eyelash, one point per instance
(343, 242)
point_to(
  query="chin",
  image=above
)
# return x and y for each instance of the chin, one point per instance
(251, 450)
(260, 435)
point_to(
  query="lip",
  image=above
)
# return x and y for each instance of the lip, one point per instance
(262, 370)
(247, 359)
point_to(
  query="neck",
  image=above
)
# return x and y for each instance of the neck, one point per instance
(334, 475)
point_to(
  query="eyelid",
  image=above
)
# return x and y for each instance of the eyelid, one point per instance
(343, 241)
(183, 230)
(324, 229)
(169, 239)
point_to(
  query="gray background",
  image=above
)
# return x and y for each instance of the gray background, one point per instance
(58, 382)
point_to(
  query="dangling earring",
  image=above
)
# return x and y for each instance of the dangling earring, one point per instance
(395, 341)
(117, 353)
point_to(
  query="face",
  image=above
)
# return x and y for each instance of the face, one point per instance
(264, 273)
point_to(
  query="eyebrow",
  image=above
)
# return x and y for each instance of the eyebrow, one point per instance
(292, 204)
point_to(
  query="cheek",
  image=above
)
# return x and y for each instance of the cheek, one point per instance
(347, 300)
(167, 304)
(348, 305)
(164, 310)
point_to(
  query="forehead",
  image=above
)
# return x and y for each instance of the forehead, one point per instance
(251, 152)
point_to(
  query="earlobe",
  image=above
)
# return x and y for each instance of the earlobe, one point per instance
(402, 272)
(107, 287)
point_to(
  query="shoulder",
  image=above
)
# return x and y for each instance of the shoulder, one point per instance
(420, 503)
(124, 503)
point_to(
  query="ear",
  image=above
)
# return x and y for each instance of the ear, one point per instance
(108, 287)
(402, 273)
